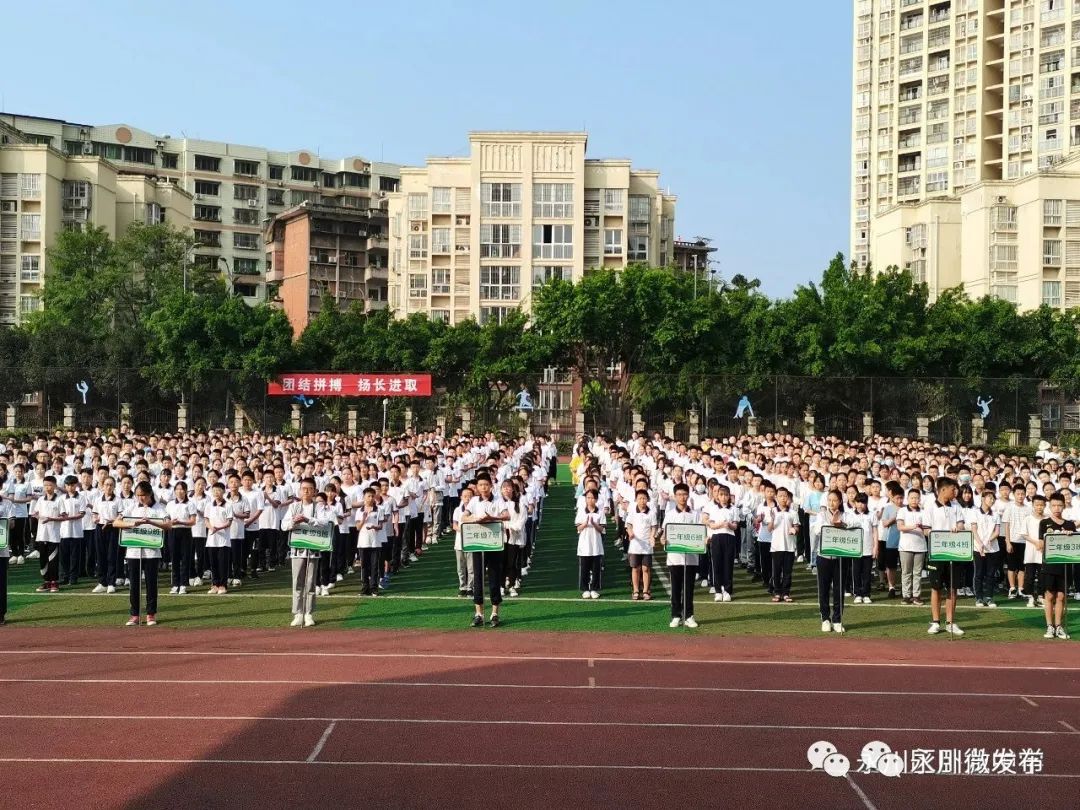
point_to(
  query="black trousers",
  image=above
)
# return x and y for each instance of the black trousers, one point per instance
(18, 533)
(512, 564)
(723, 561)
(179, 556)
(450, 503)
(108, 552)
(69, 559)
(590, 572)
(802, 541)
(219, 565)
(236, 557)
(782, 563)
(3, 587)
(252, 552)
(272, 550)
(49, 559)
(325, 574)
(764, 564)
(492, 562)
(88, 556)
(830, 583)
(369, 569)
(150, 571)
(416, 529)
(863, 567)
(351, 550)
(986, 568)
(682, 590)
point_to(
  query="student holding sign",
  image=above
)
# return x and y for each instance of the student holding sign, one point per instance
(828, 566)
(945, 516)
(482, 510)
(1055, 586)
(304, 557)
(143, 549)
(682, 523)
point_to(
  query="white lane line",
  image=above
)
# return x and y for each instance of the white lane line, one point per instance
(333, 721)
(521, 658)
(314, 755)
(1029, 701)
(1069, 727)
(869, 805)
(592, 682)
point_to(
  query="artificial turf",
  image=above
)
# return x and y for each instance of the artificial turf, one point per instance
(424, 596)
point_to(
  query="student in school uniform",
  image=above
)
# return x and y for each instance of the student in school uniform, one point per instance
(514, 563)
(71, 532)
(1053, 575)
(1014, 518)
(87, 565)
(367, 518)
(198, 562)
(106, 511)
(254, 506)
(218, 515)
(945, 515)
(986, 551)
(784, 530)
(590, 524)
(829, 578)
(482, 509)
(640, 525)
(463, 559)
(1033, 551)
(681, 566)
(913, 525)
(6, 510)
(722, 520)
(269, 521)
(304, 561)
(19, 494)
(763, 520)
(862, 568)
(238, 513)
(143, 560)
(182, 514)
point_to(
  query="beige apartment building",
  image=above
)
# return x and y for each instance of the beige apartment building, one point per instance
(234, 188)
(44, 191)
(473, 236)
(952, 96)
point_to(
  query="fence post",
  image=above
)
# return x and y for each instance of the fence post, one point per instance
(466, 419)
(922, 427)
(669, 429)
(69, 415)
(408, 418)
(353, 421)
(125, 413)
(868, 424)
(695, 426)
(978, 430)
(638, 424)
(1034, 428)
(9, 416)
(296, 418)
(181, 416)
(751, 426)
(238, 417)
(579, 423)
(808, 421)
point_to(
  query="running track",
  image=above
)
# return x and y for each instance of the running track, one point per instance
(145, 718)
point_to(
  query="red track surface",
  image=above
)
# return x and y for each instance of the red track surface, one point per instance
(133, 718)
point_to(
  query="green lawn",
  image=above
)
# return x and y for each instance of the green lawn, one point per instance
(424, 596)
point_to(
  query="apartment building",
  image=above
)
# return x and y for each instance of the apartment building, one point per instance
(474, 236)
(44, 191)
(317, 250)
(951, 94)
(234, 188)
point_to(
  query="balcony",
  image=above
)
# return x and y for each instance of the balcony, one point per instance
(378, 243)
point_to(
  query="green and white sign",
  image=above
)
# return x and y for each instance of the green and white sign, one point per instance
(1061, 549)
(951, 546)
(3, 533)
(837, 541)
(312, 537)
(686, 538)
(481, 537)
(142, 537)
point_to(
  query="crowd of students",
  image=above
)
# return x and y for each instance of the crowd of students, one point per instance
(226, 506)
(765, 501)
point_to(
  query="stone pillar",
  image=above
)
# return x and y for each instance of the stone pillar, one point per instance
(69, 415)
(978, 430)
(296, 418)
(922, 427)
(636, 422)
(440, 423)
(579, 423)
(9, 416)
(1034, 429)
(868, 424)
(808, 421)
(751, 426)
(466, 420)
(238, 418)
(408, 418)
(353, 421)
(695, 426)
(125, 413)
(669, 429)
(1012, 437)
(181, 416)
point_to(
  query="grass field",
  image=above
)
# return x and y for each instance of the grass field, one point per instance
(425, 596)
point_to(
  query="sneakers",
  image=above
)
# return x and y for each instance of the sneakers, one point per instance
(297, 620)
(726, 595)
(21, 560)
(110, 589)
(54, 587)
(866, 600)
(1031, 601)
(98, 589)
(594, 594)
(513, 591)
(800, 559)
(33, 555)
(586, 595)
(690, 622)
(494, 619)
(151, 619)
(954, 630)
(183, 590)
(1061, 632)
(675, 622)
(477, 621)
(718, 598)
(132, 622)
(338, 578)
(1012, 593)
(413, 558)
(934, 628)
(713, 590)
(838, 628)
(1051, 631)
(309, 620)
(826, 627)
(173, 591)
(990, 603)
(858, 600)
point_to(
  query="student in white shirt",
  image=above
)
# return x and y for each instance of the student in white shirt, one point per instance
(640, 524)
(590, 525)
(483, 509)
(19, 495)
(218, 514)
(862, 567)
(368, 518)
(722, 520)
(913, 525)
(986, 552)
(106, 511)
(463, 558)
(1033, 556)
(71, 532)
(514, 562)
(6, 508)
(143, 560)
(945, 515)
(181, 512)
(1014, 518)
(783, 540)
(304, 561)
(681, 566)
(199, 563)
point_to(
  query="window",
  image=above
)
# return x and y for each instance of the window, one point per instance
(31, 226)
(303, 174)
(205, 188)
(245, 192)
(246, 216)
(205, 163)
(639, 249)
(246, 267)
(417, 286)
(136, 154)
(418, 206)
(155, 214)
(553, 241)
(440, 240)
(31, 185)
(1052, 212)
(639, 208)
(1052, 252)
(246, 241)
(72, 147)
(613, 241)
(440, 281)
(555, 400)
(613, 200)
(276, 172)
(496, 314)
(388, 184)
(246, 290)
(500, 199)
(1051, 293)
(170, 160)
(440, 200)
(76, 190)
(329, 180)
(542, 274)
(500, 283)
(275, 196)
(440, 315)
(208, 238)
(109, 151)
(246, 168)
(31, 268)
(500, 241)
(208, 213)
(418, 246)
(29, 303)
(553, 200)
(354, 180)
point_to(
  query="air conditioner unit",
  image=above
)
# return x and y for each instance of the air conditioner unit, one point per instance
(382, 195)
(253, 203)
(416, 227)
(198, 197)
(9, 206)
(332, 260)
(1029, 26)
(958, 141)
(1002, 200)
(592, 222)
(88, 149)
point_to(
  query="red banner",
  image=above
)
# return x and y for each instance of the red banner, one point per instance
(329, 384)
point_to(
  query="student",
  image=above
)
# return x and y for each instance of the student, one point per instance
(254, 504)
(106, 511)
(829, 579)
(48, 512)
(681, 566)
(88, 496)
(515, 560)
(763, 520)
(464, 559)
(368, 518)
(640, 524)
(722, 521)
(590, 546)
(238, 514)
(6, 510)
(71, 531)
(1014, 518)
(1033, 551)
(143, 560)
(888, 534)
(1053, 576)
(945, 515)
(19, 495)
(482, 509)
(269, 522)
(304, 561)
(783, 538)
(912, 525)
(198, 564)
(219, 523)
(986, 551)
(182, 514)
(862, 567)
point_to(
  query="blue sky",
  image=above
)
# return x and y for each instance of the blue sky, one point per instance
(744, 111)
